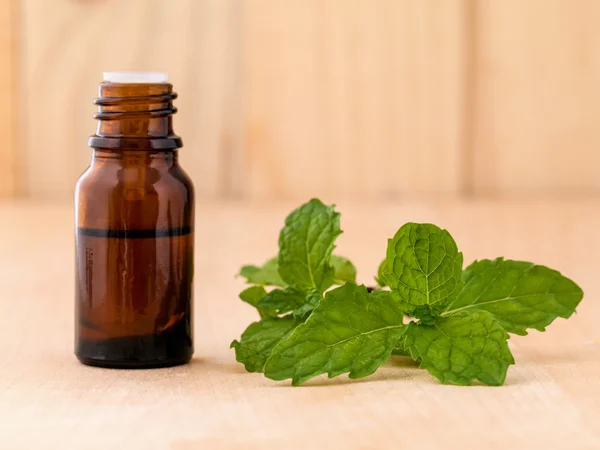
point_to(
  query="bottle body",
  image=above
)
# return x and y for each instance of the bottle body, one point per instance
(134, 212)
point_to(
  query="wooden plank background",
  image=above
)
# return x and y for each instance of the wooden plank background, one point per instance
(8, 131)
(343, 98)
(538, 97)
(352, 97)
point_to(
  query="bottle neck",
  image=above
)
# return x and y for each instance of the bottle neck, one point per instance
(132, 158)
(135, 116)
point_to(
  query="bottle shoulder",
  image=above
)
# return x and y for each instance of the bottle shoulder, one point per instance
(114, 195)
(108, 177)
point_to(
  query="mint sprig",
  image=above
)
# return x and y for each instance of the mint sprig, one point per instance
(297, 277)
(460, 318)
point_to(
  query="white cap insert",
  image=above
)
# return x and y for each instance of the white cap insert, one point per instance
(136, 77)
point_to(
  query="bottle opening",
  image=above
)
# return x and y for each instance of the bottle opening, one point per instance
(135, 112)
(136, 77)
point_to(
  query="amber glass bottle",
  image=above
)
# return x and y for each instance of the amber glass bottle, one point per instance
(134, 213)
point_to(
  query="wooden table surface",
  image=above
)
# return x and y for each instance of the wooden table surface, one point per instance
(551, 398)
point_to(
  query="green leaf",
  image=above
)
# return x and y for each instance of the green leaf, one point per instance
(423, 267)
(305, 246)
(259, 339)
(252, 296)
(380, 278)
(350, 331)
(283, 301)
(267, 275)
(400, 352)
(312, 300)
(461, 348)
(343, 270)
(519, 294)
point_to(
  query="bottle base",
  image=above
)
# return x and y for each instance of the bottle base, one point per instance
(108, 364)
(173, 347)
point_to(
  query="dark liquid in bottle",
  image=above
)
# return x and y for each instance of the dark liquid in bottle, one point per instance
(134, 296)
(139, 352)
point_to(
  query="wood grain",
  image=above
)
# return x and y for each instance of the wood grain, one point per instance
(551, 399)
(8, 104)
(538, 101)
(298, 98)
(352, 98)
(68, 44)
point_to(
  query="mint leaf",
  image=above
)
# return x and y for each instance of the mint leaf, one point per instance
(400, 352)
(423, 267)
(350, 331)
(519, 294)
(312, 300)
(305, 246)
(461, 348)
(380, 278)
(259, 339)
(343, 270)
(252, 296)
(267, 275)
(283, 301)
